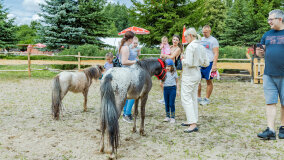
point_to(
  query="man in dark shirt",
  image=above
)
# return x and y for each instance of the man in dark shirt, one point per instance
(273, 79)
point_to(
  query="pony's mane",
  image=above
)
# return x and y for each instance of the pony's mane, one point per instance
(92, 72)
(149, 64)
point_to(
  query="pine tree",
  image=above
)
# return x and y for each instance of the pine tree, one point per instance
(235, 24)
(59, 24)
(93, 20)
(166, 17)
(215, 10)
(119, 15)
(7, 29)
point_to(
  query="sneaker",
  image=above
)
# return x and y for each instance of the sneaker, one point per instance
(162, 101)
(167, 119)
(127, 119)
(172, 120)
(267, 135)
(205, 102)
(281, 132)
(199, 100)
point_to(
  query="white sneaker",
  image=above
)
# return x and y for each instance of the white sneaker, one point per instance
(172, 120)
(162, 101)
(199, 100)
(167, 119)
(205, 102)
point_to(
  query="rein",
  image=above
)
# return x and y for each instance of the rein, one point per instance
(160, 76)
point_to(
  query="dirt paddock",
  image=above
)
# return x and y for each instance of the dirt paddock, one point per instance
(228, 126)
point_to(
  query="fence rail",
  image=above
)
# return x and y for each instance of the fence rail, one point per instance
(240, 64)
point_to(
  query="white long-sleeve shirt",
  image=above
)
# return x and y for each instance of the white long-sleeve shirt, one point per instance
(195, 56)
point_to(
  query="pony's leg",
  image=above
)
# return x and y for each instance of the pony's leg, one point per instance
(135, 114)
(85, 93)
(102, 143)
(143, 104)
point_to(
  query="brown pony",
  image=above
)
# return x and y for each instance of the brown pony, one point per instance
(75, 82)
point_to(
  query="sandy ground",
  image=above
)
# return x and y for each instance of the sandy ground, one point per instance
(228, 126)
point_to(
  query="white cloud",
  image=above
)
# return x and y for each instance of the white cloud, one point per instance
(36, 17)
(10, 15)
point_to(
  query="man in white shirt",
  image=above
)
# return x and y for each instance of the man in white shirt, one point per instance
(212, 49)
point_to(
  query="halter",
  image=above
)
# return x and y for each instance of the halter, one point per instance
(160, 77)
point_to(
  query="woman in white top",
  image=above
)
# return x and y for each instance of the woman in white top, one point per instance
(195, 56)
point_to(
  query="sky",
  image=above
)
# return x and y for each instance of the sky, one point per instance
(25, 11)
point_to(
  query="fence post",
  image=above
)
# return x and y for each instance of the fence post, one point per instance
(79, 60)
(29, 60)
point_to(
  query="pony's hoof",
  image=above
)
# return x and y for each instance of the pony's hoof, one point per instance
(102, 150)
(134, 131)
(142, 133)
(112, 156)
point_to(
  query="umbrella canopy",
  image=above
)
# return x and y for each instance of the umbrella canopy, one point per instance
(183, 38)
(135, 30)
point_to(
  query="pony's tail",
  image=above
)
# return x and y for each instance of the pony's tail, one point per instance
(109, 113)
(56, 98)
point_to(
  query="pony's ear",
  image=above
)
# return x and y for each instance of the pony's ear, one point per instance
(101, 67)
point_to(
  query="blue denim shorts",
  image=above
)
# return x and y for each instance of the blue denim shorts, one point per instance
(206, 71)
(273, 87)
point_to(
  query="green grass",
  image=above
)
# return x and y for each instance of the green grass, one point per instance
(21, 74)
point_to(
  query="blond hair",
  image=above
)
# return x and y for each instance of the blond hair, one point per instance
(207, 27)
(193, 32)
(109, 54)
(164, 37)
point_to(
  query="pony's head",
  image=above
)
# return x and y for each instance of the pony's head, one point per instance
(155, 67)
(94, 72)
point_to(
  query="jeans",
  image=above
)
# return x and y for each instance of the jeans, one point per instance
(128, 107)
(170, 97)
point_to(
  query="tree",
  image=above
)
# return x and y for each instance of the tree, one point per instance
(119, 16)
(246, 21)
(26, 34)
(235, 24)
(7, 29)
(166, 17)
(93, 20)
(215, 11)
(59, 24)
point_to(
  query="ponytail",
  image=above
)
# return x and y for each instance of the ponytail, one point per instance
(128, 35)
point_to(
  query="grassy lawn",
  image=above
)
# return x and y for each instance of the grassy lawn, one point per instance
(24, 74)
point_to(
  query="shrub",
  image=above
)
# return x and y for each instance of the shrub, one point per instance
(68, 66)
(86, 50)
(233, 52)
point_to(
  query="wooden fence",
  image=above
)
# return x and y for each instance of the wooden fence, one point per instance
(254, 66)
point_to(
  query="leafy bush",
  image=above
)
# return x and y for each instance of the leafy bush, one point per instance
(68, 66)
(86, 50)
(233, 52)
(147, 50)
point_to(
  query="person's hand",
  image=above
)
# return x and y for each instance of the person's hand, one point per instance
(214, 67)
(259, 52)
(163, 56)
(181, 57)
(178, 93)
(162, 85)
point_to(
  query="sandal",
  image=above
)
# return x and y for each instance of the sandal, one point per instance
(189, 131)
(184, 124)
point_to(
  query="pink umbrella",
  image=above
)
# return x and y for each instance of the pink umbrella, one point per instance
(135, 30)
(40, 45)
